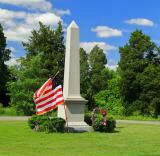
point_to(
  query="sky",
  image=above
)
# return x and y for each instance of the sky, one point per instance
(106, 23)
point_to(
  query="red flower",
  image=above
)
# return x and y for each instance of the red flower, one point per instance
(104, 112)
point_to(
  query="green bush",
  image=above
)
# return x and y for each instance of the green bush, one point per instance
(104, 126)
(87, 118)
(46, 124)
(111, 98)
(58, 124)
(1, 109)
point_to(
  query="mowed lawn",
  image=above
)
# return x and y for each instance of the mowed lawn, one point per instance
(16, 139)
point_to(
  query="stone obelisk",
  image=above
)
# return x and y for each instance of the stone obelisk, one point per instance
(73, 110)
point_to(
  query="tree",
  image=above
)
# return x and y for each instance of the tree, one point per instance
(45, 56)
(135, 57)
(97, 62)
(50, 44)
(150, 86)
(84, 73)
(4, 73)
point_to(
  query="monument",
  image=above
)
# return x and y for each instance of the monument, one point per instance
(73, 109)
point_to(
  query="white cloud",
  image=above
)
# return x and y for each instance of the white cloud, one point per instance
(113, 67)
(20, 33)
(18, 25)
(106, 32)
(61, 12)
(7, 14)
(140, 21)
(43, 5)
(112, 64)
(46, 18)
(13, 60)
(88, 46)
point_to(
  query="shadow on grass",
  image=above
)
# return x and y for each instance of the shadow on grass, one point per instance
(120, 127)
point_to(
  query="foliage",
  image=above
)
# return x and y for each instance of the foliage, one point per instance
(45, 124)
(149, 98)
(110, 98)
(45, 56)
(1, 109)
(87, 118)
(135, 57)
(7, 111)
(99, 125)
(4, 73)
(50, 44)
(84, 73)
(97, 61)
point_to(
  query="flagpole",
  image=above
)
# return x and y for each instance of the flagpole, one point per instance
(55, 75)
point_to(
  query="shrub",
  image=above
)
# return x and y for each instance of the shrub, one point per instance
(87, 118)
(111, 98)
(58, 124)
(101, 125)
(1, 109)
(45, 124)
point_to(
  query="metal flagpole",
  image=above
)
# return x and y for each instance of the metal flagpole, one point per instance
(55, 75)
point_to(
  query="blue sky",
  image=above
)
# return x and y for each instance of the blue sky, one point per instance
(107, 23)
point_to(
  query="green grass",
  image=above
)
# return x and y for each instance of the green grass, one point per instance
(16, 139)
(8, 111)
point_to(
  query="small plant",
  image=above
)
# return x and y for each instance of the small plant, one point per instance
(104, 125)
(46, 124)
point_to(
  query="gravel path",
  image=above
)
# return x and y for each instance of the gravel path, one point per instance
(136, 122)
(118, 121)
(14, 117)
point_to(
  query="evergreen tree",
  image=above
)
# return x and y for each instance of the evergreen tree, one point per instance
(50, 44)
(150, 85)
(97, 62)
(4, 73)
(135, 56)
(84, 73)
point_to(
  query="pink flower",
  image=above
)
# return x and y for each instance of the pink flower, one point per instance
(104, 123)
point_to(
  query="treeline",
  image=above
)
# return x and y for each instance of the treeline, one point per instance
(134, 88)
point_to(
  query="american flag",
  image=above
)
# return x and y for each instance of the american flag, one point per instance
(46, 98)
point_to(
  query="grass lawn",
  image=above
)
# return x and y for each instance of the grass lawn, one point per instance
(16, 139)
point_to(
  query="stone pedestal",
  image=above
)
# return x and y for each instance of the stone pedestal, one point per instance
(73, 109)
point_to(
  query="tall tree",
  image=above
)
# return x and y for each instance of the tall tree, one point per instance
(50, 44)
(135, 56)
(84, 73)
(4, 73)
(45, 56)
(97, 62)
(150, 85)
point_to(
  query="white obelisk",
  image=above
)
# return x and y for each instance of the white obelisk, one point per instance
(74, 103)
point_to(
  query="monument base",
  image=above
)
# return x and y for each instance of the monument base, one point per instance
(79, 127)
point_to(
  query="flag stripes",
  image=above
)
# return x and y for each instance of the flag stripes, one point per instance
(49, 98)
(41, 90)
